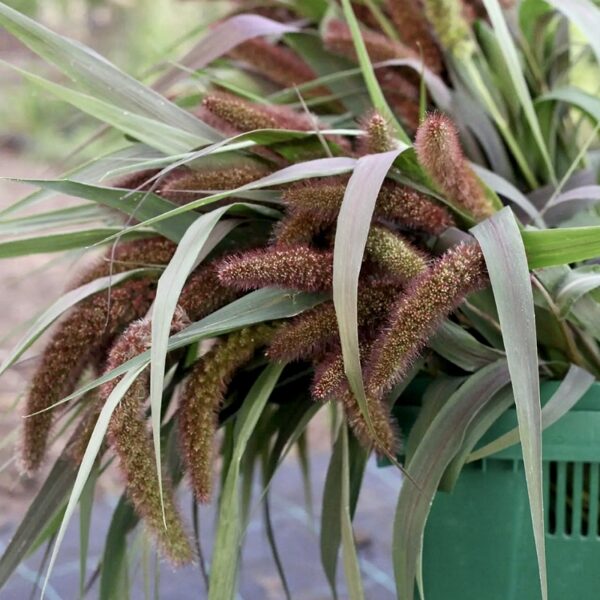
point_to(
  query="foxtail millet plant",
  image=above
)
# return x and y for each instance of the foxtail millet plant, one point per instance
(269, 286)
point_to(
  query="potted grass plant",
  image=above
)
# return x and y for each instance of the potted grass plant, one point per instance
(385, 206)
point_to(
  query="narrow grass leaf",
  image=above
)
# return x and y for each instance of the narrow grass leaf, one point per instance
(459, 347)
(158, 135)
(354, 584)
(431, 457)
(86, 505)
(142, 205)
(225, 563)
(99, 78)
(552, 247)
(333, 500)
(575, 97)
(578, 284)
(572, 388)
(114, 569)
(48, 501)
(511, 57)
(74, 215)
(191, 251)
(88, 461)
(504, 252)
(353, 224)
(59, 242)
(510, 192)
(486, 417)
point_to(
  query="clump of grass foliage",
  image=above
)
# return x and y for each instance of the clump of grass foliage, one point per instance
(361, 194)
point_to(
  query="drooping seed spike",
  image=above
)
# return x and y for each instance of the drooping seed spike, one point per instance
(296, 229)
(247, 116)
(203, 396)
(384, 436)
(338, 39)
(438, 148)
(329, 381)
(378, 136)
(412, 210)
(450, 26)
(395, 255)
(127, 256)
(322, 199)
(414, 318)
(86, 330)
(191, 185)
(128, 437)
(277, 63)
(310, 334)
(203, 293)
(415, 31)
(299, 268)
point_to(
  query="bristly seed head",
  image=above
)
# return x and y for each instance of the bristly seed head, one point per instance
(247, 116)
(86, 330)
(277, 63)
(190, 185)
(438, 148)
(300, 268)
(395, 255)
(450, 26)
(378, 137)
(202, 398)
(430, 297)
(415, 31)
(310, 334)
(128, 437)
(321, 199)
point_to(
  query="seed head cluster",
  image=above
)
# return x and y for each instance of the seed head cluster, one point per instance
(404, 288)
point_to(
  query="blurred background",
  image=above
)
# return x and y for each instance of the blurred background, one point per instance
(42, 137)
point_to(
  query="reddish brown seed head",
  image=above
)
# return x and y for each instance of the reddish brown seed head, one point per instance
(247, 116)
(300, 268)
(439, 151)
(414, 318)
(415, 31)
(202, 397)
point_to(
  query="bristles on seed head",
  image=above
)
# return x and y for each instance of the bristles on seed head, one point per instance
(86, 330)
(395, 255)
(414, 318)
(246, 116)
(127, 256)
(415, 31)
(300, 268)
(190, 185)
(438, 148)
(378, 137)
(277, 63)
(338, 39)
(202, 397)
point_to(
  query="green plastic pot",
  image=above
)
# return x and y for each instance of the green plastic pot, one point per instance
(478, 541)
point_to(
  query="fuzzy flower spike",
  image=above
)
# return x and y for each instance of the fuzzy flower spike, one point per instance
(438, 148)
(203, 396)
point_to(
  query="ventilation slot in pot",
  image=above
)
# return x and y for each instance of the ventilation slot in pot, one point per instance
(572, 499)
